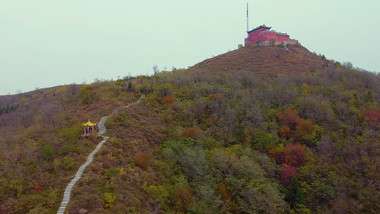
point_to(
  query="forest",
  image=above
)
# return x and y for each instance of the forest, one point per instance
(215, 141)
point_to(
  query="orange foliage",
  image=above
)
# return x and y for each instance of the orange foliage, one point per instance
(169, 100)
(278, 154)
(192, 132)
(294, 154)
(226, 196)
(290, 117)
(183, 197)
(142, 159)
(286, 173)
(215, 96)
(285, 132)
(304, 127)
(224, 192)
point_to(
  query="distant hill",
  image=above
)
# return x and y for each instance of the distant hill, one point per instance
(267, 61)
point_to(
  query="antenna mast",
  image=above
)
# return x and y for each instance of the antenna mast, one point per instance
(247, 19)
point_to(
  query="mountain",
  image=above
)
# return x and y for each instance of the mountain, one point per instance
(255, 130)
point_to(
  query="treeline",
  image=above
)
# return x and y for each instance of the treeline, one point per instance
(8, 108)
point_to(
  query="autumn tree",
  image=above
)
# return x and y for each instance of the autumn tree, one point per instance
(294, 154)
(168, 100)
(290, 118)
(373, 116)
(182, 198)
(142, 159)
(192, 132)
(304, 127)
(286, 173)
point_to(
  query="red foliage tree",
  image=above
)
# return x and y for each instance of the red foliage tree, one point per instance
(294, 154)
(291, 154)
(286, 173)
(285, 132)
(373, 116)
(290, 117)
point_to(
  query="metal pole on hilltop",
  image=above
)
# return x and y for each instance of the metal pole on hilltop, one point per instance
(247, 19)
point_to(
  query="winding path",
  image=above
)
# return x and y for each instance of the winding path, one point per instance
(90, 158)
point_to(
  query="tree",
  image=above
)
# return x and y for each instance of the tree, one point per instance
(168, 100)
(304, 127)
(278, 154)
(290, 118)
(285, 132)
(155, 69)
(142, 159)
(286, 173)
(373, 116)
(264, 141)
(192, 132)
(294, 154)
(182, 198)
(294, 194)
(86, 94)
(47, 152)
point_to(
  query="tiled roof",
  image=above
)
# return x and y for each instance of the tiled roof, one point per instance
(258, 28)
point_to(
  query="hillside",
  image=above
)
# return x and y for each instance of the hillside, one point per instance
(220, 137)
(265, 61)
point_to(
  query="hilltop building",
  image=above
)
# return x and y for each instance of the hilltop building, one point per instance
(262, 35)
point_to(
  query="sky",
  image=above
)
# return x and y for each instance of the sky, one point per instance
(44, 43)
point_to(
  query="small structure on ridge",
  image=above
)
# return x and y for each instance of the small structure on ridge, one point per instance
(263, 36)
(89, 127)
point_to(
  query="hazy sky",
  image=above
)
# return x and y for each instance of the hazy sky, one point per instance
(45, 43)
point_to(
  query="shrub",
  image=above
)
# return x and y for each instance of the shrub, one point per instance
(47, 152)
(109, 198)
(193, 132)
(182, 198)
(304, 127)
(215, 96)
(68, 162)
(264, 141)
(169, 100)
(111, 173)
(289, 117)
(86, 94)
(142, 159)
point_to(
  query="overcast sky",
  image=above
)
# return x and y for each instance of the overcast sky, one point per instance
(45, 43)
